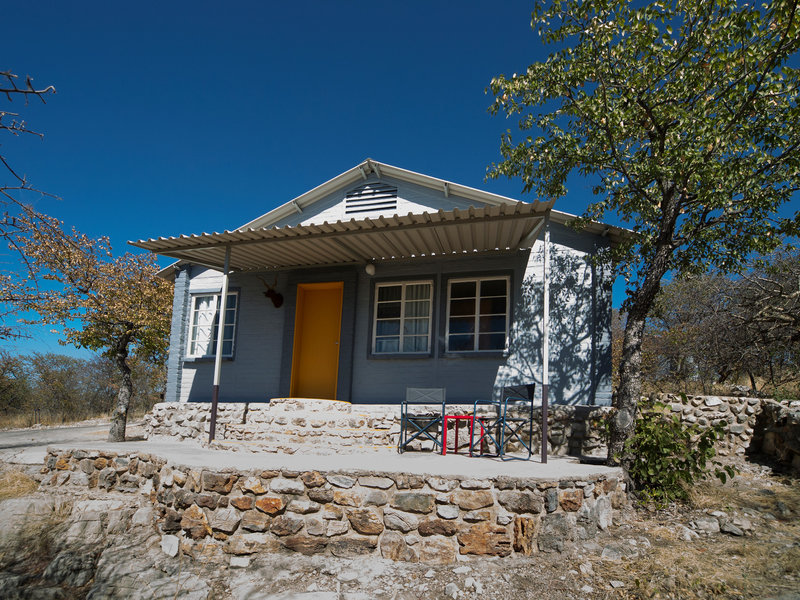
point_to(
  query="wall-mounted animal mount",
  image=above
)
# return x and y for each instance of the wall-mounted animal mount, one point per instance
(272, 294)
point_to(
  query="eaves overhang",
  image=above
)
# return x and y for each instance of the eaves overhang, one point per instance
(502, 227)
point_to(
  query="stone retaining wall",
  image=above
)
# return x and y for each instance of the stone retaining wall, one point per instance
(777, 432)
(289, 425)
(397, 516)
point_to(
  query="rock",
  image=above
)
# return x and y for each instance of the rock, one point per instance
(222, 483)
(312, 479)
(207, 500)
(250, 543)
(485, 538)
(347, 497)
(242, 502)
(320, 495)
(376, 498)
(442, 485)
(611, 553)
(476, 484)
(286, 486)
(352, 546)
(520, 502)
(707, 524)
(341, 481)
(143, 517)
(437, 550)
(303, 506)
(270, 505)
(555, 531)
(551, 500)
(286, 525)
(474, 516)
(437, 527)
(305, 544)
(451, 589)
(586, 569)
(315, 526)
(615, 583)
(337, 528)
(686, 534)
(383, 483)
(253, 485)
(712, 401)
(525, 533)
(172, 521)
(366, 521)
(570, 500)
(472, 500)
(170, 545)
(253, 520)
(400, 521)
(394, 547)
(447, 511)
(107, 478)
(413, 502)
(332, 512)
(184, 498)
(226, 520)
(729, 527)
(195, 523)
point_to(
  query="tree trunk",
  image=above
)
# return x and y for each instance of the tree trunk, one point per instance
(119, 417)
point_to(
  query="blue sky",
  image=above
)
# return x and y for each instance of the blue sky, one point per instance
(184, 117)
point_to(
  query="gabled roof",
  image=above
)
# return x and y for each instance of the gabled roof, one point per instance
(496, 223)
(361, 172)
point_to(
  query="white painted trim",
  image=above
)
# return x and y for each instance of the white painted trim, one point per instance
(404, 285)
(193, 295)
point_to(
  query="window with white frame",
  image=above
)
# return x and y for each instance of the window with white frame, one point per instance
(477, 314)
(402, 318)
(204, 325)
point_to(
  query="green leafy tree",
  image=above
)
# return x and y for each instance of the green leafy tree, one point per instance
(684, 113)
(116, 305)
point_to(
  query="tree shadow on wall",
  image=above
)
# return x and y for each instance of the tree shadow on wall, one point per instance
(580, 340)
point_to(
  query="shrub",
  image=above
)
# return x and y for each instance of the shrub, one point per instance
(668, 456)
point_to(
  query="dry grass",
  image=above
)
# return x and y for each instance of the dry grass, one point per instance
(720, 566)
(15, 484)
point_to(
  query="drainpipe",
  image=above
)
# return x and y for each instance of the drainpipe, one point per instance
(545, 332)
(223, 303)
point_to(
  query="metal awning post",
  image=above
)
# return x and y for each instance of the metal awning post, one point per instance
(223, 304)
(545, 332)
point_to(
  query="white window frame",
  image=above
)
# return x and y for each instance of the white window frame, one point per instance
(211, 344)
(477, 315)
(401, 335)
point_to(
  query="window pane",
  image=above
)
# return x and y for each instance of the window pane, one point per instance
(415, 344)
(231, 304)
(462, 289)
(460, 343)
(420, 291)
(387, 344)
(227, 348)
(228, 332)
(462, 307)
(496, 306)
(415, 327)
(418, 309)
(389, 292)
(496, 324)
(388, 327)
(389, 310)
(462, 325)
(491, 341)
(493, 287)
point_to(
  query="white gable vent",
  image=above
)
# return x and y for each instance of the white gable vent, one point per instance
(371, 197)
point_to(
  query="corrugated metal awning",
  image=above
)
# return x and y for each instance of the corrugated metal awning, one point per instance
(472, 230)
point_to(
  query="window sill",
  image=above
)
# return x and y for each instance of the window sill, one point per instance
(476, 354)
(201, 359)
(400, 356)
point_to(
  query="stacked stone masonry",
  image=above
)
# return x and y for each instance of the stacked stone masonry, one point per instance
(289, 425)
(401, 517)
(777, 432)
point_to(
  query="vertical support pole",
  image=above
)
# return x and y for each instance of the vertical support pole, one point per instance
(223, 303)
(545, 332)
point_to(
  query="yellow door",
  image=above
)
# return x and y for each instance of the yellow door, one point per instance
(315, 357)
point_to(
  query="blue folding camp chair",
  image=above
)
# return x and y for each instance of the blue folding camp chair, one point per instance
(421, 415)
(517, 417)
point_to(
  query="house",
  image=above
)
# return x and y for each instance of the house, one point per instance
(382, 279)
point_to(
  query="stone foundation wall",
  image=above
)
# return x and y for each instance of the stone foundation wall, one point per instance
(397, 516)
(777, 432)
